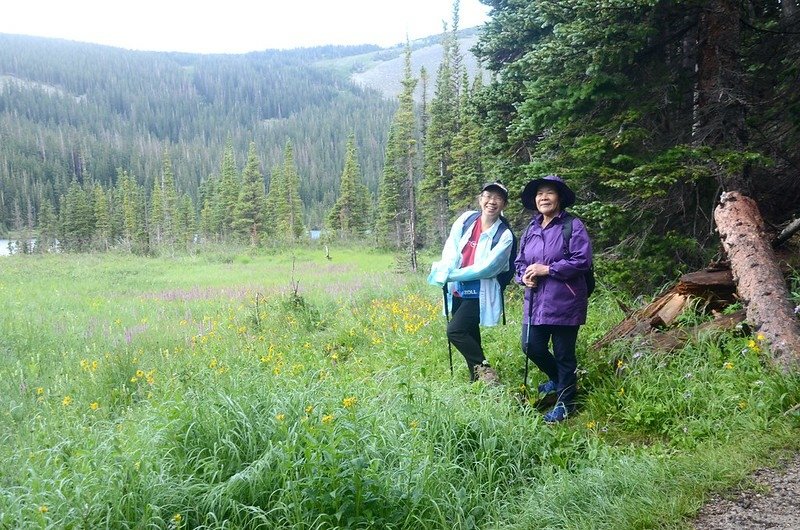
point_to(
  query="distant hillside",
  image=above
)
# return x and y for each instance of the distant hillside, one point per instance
(382, 70)
(71, 110)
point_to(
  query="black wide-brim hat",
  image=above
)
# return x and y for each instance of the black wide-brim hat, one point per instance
(566, 197)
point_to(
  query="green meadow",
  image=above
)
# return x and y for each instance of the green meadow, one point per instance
(284, 390)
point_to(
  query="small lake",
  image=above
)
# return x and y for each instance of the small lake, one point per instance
(5, 249)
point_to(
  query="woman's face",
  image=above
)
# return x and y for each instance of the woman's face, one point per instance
(492, 203)
(547, 200)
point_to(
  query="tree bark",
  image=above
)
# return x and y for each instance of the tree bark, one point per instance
(758, 278)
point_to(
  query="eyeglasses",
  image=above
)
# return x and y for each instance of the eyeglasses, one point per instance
(492, 196)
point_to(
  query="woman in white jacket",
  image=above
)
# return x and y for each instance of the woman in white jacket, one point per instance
(469, 266)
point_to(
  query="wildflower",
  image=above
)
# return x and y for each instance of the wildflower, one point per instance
(177, 518)
(687, 375)
(349, 401)
(309, 409)
(137, 465)
(760, 336)
(183, 322)
(797, 310)
(621, 392)
(94, 406)
(39, 391)
(67, 401)
(620, 364)
(742, 405)
(213, 363)
(728, 365)
(327, 418)
(43, 508)
(139, 374)
(280, 416)
(413, 424)
(591, 424)
(334, 357)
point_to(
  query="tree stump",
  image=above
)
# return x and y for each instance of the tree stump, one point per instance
(758, 277)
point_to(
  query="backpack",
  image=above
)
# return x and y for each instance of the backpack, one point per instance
(566, 232)
(505, 277)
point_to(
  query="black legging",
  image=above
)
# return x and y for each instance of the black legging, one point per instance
(464, 332)
(560, 365)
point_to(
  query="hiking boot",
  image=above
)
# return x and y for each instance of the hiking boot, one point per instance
(558, 414)
(487, 374)
(547, 388)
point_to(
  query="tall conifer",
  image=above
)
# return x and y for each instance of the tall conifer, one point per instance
(249, 213)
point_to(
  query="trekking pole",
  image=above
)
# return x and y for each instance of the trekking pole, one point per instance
(447, 317)
(528, 337)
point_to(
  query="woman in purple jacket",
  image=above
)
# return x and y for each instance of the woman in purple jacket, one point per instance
(557, 298)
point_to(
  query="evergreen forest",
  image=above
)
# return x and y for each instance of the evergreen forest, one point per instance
(648, 108)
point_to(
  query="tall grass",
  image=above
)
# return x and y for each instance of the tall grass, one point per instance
(289, 391)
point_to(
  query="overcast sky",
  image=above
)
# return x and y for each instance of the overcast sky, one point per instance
(234, 26)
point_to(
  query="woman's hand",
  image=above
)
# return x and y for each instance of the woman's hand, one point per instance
(536, 269)
(530, 281)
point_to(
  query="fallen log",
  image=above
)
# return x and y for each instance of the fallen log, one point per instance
(679, 337)
(661, 312)
(759, 280)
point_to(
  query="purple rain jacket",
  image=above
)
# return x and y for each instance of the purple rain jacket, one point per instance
(559, 298)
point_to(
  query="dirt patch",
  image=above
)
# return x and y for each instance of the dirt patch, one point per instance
(771, 499)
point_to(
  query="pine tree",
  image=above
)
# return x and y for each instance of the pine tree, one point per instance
(442, 129)
(228, 192)
(275, 202)
(132, 201)
(169, 204)
(249, 212)
(467, 164)
(350, 215)
(187, 222)
(48, 229)
(102, 216)
(289, 207)
(397, 215)
(77, 219)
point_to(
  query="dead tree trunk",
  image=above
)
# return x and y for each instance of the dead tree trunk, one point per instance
(759, 280)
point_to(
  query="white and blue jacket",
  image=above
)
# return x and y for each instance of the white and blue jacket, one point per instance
(489, 262)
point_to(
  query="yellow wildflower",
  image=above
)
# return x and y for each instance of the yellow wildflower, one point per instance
(43, 508)
(327, 418)
(94, 406)
(39, 391)
(280, 416)
(177, 518)
(413, 424)
(760, 336)
(621, 392)
(67, 401)
(349, 401)
(591, 424)
(728, 365)
(742, 405)
(309, 409)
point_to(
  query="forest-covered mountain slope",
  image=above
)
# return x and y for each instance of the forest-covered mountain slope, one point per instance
(71, 110)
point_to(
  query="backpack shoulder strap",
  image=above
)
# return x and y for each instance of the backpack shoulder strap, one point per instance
(499, 232)
(566, 230)
(468, 221)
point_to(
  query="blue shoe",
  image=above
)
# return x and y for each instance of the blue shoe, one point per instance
(547, 388)
(558, 414)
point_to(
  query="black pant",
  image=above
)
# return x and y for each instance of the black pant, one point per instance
(464, 332)
(559, 366)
